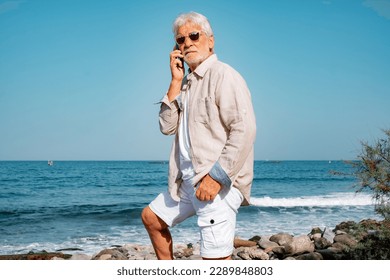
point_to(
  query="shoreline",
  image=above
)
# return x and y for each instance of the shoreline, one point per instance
(348, 240)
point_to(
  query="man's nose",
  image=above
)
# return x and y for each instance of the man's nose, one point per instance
(187, 41)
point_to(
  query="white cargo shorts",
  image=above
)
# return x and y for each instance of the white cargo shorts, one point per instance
(216, 219)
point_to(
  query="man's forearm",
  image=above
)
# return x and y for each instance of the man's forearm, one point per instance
(174, 89)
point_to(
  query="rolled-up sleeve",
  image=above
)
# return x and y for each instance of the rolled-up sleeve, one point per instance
(219, 175)
(168, 116)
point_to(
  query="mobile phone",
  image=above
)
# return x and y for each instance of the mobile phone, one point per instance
(181, 59)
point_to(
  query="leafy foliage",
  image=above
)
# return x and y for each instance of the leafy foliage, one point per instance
(372, 169)
(374, 241)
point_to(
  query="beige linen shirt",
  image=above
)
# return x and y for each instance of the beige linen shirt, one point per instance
(222, 127)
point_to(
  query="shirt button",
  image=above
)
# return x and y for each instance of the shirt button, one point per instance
(211, 221)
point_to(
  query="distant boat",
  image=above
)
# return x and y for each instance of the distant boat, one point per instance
(50, 162)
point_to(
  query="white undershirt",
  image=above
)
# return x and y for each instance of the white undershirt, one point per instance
(186, 166)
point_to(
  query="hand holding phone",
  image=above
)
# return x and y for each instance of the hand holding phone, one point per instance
(177, 72)
(177, 63)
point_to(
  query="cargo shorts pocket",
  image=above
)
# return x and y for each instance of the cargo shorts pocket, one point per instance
(216, 232)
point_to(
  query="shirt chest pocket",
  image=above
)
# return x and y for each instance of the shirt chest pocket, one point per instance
(205, 110)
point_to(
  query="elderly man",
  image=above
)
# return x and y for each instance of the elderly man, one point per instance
(211, 164)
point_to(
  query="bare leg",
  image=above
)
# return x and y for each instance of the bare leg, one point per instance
(159, 234)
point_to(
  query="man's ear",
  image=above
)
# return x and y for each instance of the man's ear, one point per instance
(211, 43)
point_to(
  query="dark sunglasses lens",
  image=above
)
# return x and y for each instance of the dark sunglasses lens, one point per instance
(194, 36)
(180, 40)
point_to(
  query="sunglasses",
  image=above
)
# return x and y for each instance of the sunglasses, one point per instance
(194, 36)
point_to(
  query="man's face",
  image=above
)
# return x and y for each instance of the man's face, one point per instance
(195, 52)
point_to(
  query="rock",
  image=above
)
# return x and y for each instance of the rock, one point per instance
(243, 243)
(42, 255)
(346, 226)
(252, 253)
(338, 247)
(265, 243)
(138, 252)
(315, 230)
(149, 257)
(234, 255)
(281, 238)
(299, 245)
(259, 254)
(110, 254)
(195, 257)
(186, 252)
(346, 239)
(78, 257)
(255, 238)
(279, 250)
(321, 243)
(104, 257)
(330, 254)
(178, 255)
(243, 254)
(315, 236)
(310, 256)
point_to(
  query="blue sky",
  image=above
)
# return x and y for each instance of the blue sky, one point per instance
(79, 79)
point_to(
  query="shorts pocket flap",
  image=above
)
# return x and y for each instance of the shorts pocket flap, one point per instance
(211, 219)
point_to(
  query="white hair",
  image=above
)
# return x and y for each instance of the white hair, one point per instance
(195, 18)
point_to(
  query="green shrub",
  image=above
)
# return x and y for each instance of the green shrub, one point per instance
(372, 169)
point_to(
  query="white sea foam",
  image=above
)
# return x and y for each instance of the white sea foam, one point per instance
(333, 199)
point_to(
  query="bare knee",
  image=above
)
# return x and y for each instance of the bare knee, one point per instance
(151, 221)
(147, 216)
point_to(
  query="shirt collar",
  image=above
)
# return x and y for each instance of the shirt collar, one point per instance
(205, 65)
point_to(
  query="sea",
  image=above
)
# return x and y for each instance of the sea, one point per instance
(87, 206)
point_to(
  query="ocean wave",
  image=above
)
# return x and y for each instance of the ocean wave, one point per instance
(333, 199)
(290, 179)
